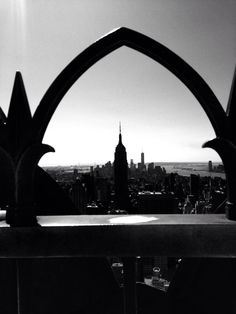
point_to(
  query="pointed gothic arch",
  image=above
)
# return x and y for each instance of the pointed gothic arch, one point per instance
(149, 47)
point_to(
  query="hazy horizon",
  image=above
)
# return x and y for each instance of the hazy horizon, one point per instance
(146, 162)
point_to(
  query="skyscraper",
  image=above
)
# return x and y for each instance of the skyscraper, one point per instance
(141, 165)
(142, 158)
(121, 176)
(210, 168)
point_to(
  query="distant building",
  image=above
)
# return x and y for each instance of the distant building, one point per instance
(78, 196)
(219, 168)
(102, 188)
(121, 176)
(141, 165)
(210, 168)
(157, 203)
(172, 182)
(194, 185)
(142, 158)
(132, 169)
(151, 168)
(89, 185)
(75, 174)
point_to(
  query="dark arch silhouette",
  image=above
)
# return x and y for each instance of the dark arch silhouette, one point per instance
(151, 48)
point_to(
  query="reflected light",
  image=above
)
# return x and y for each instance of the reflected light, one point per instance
(131, 219)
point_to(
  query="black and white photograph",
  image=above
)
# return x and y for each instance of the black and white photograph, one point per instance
(117, 156)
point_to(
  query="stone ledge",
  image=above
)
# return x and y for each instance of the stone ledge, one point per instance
(146, 235)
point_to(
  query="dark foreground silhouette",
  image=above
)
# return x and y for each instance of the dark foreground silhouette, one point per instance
(87, 285)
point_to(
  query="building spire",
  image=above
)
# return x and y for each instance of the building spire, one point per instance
(121, 176)
(120, 136)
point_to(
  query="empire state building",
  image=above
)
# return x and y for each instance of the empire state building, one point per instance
(121, 176)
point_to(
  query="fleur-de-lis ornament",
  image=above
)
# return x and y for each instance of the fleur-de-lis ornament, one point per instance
(225, 146)
(19, 156)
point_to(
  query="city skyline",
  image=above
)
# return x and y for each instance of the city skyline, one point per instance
(158, 114)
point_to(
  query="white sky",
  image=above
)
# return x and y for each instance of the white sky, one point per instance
(158, 114)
